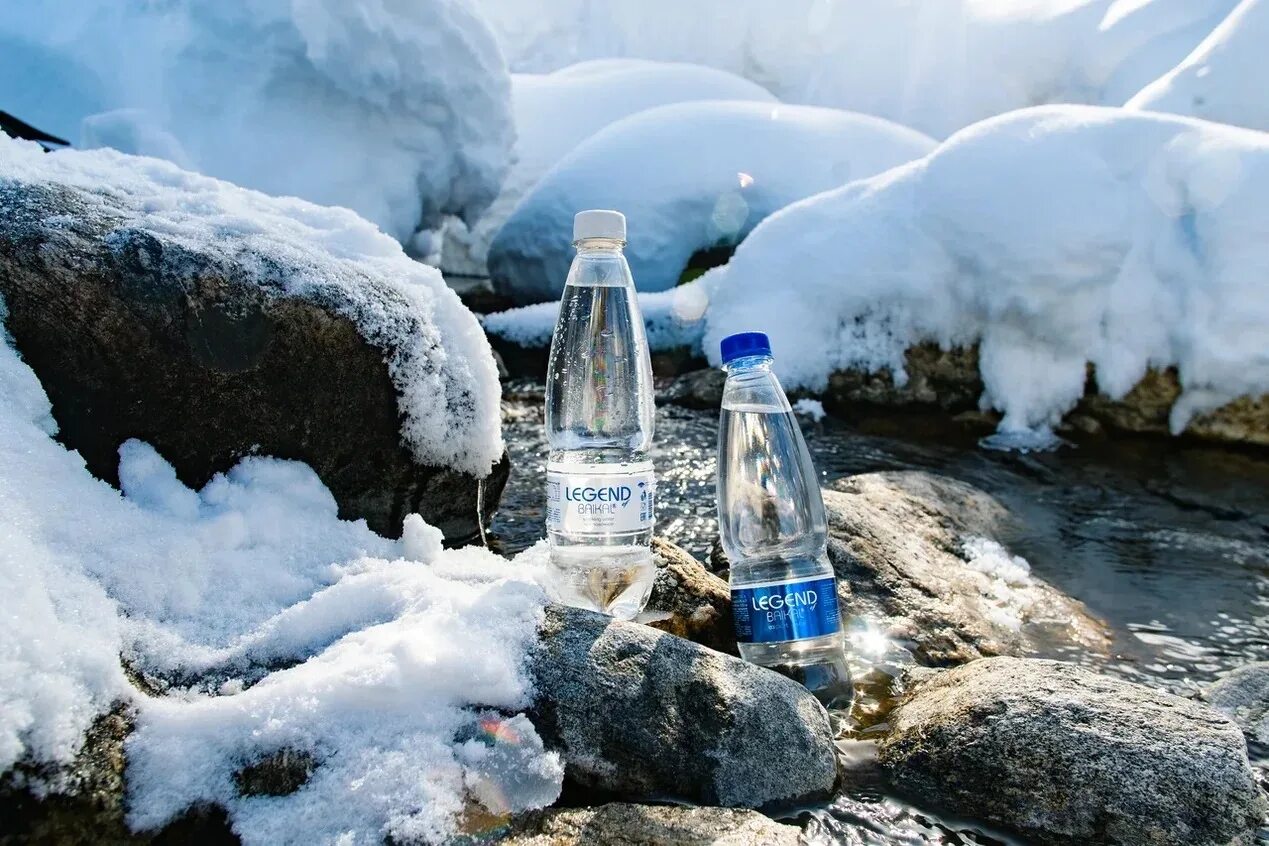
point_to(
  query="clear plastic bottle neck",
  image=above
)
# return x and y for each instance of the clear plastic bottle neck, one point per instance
(749, 363)
(599, 246)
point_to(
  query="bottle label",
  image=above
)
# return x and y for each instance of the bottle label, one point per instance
(789, 610)
(594, 499)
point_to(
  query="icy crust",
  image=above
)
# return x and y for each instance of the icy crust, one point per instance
(688, 177)
(404, 662)
(1225, 78)
(400, 111)
(437, 355)
(555, 112)
(1053, 237)
(934, 66)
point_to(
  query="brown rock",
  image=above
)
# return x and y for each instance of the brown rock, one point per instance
(689, 601)
(622, 824)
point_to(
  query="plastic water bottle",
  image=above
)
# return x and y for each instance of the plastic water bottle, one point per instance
(599, 419)
(771, 518)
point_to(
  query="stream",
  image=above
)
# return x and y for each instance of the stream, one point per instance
(1167, 541)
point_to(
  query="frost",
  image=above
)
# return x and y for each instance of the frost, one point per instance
(399, 111)
(437, 356)
(1053, 237)
(688, 177)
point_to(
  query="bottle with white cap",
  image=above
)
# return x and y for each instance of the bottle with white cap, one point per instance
(773, 528)
(599, 419)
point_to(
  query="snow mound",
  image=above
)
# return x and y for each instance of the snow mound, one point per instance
(688, 177)
(438, 358)
(555, 112)
(400, 111)
(934, 66)
(1225, 78)
(403, 676)
(1053, 237)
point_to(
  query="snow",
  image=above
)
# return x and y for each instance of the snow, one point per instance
(1008, 593)
(402, 678)
(555, 112)
(1053, 237)
(399, 111)
(811, 408)
(687, 176)
(438, 358)
(934, 66)
(1225, 78)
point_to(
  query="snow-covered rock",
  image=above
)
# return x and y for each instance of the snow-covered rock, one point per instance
(1225, 78)
(217, 322)
(934, 66)
(399, 111)
(1062, 755)
(1053, 237)
(555, 112)
(688, 177)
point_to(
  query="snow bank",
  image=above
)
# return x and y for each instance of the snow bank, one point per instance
(555, 112)
(934, 66)
(399, 111)
(1053, 237)
(1226, 76)
(438, 358)
(688, 177)
(404, 676)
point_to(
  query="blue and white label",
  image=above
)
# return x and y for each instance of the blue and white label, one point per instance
(781, 611)
(600, 499)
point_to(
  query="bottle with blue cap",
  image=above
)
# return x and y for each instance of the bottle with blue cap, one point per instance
(599, 416)
(773, 529)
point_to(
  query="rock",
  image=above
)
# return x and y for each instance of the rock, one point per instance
(279, 774)
(697, 389)
(948, 380)
(917, 552)
(645, 714)
(1063, 755)
(689, 601)
(622, 824)
(212, 348)
(1243, 696)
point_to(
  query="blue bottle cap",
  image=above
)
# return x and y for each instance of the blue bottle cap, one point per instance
(743, 344)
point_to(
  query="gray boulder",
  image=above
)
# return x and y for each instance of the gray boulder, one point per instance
(916, 551)
(645, 714)
(1243, 696)
(1063, 755)
(215, 324)
(620, 824)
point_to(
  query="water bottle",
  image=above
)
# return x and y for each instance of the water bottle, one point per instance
(599, 418)
(773, 529)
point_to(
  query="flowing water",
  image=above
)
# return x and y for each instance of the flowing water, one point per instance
(1167, 541)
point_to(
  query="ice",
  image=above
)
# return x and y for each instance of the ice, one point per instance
(934, 66)
(403, 680)
(437, 356)
(399, 111)
(1053, 237)
(555, 112)
(688, 176)
(1225, 78)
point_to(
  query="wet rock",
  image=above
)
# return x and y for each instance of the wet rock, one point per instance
(280, 774)
(689, 601)
(645, 714)
(1243, 696)
(696, 389)
(917, 552)
(948, 380)
(621, 824)
(205, 352)
(1062, 755)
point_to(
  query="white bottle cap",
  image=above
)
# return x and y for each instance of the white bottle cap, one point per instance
(599, 223)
